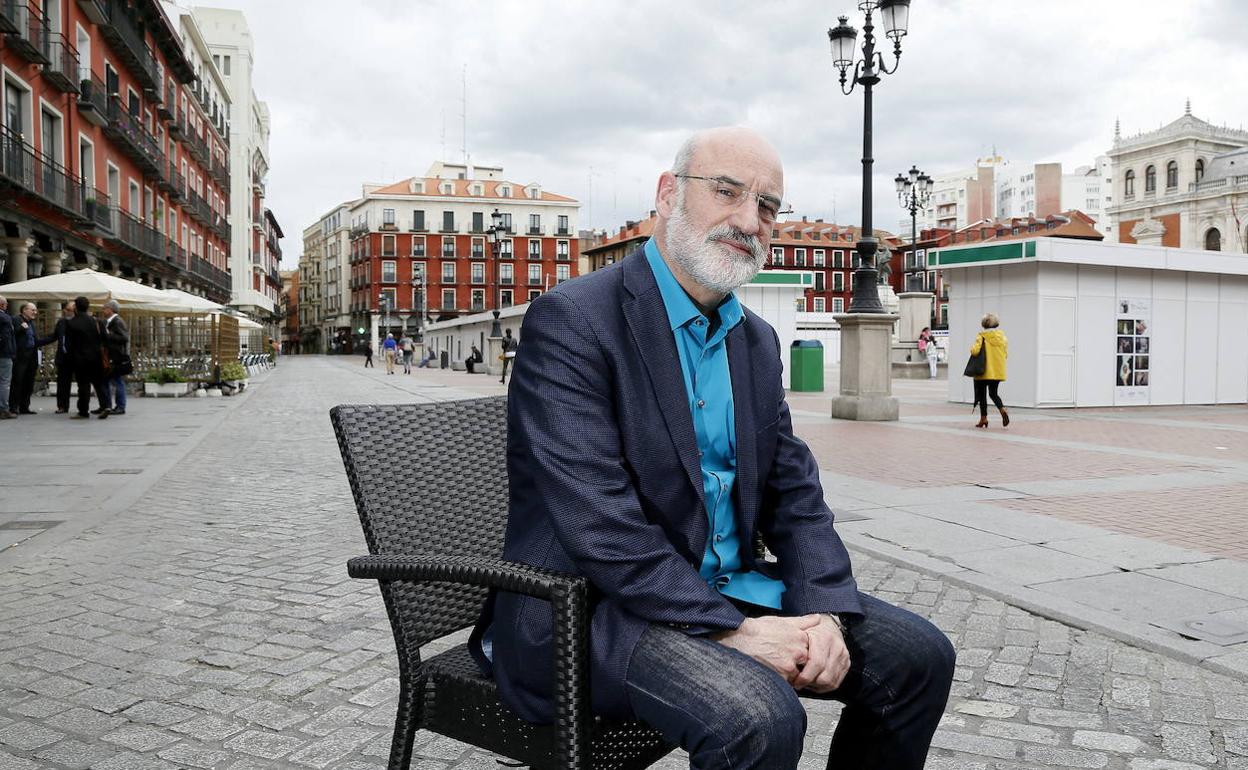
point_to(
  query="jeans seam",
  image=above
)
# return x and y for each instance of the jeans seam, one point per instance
(695, 717)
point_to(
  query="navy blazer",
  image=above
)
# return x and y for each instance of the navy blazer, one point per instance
(604, 482)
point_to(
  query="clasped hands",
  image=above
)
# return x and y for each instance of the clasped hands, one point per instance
(808, 651)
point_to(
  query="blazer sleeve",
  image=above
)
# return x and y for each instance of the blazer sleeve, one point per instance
(797, 525)
(563, 418)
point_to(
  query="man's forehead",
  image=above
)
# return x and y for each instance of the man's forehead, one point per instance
(745, 160)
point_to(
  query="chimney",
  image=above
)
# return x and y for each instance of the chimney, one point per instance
(819, 220)
(803, 217)
(653, 213)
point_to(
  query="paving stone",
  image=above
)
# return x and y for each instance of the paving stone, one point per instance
(1113, 742)
(272, 715)
(27, 736)
(987, 709)
(262, 744)
(1055, 718)
(1050, 756)
(973, 744)
(208, 728)
(1020, 732)
(332, 747)
(1188, 743)
(187, 755)
(75, 754)
(140, 737)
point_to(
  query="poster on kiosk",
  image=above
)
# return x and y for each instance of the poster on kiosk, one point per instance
(1133, 332)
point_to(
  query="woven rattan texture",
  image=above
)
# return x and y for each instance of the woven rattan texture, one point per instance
(430, 487)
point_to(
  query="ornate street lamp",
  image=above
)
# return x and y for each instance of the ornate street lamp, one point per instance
(866, 71)
(496, 231)
(914, 192)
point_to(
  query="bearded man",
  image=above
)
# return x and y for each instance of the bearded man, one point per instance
(649, 443)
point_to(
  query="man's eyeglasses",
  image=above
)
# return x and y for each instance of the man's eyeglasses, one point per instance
(730, 193)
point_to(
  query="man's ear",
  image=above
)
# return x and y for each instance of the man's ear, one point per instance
(665, 196)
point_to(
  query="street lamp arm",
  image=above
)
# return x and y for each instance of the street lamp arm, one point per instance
(879, 57)
(858, 66)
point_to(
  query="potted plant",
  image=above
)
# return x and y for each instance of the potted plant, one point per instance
(166, 382)
(88, 205)
(233, 373)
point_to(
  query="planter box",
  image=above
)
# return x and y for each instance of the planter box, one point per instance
(166, 389)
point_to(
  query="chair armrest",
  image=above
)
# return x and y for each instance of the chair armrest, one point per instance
(567, 596)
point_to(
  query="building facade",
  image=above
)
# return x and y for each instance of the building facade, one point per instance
(608, 250)
(291, 310)
(256, 282)
(1183, 185)
(827, 251)
(110, 159)
(420, 249)
(327, 242)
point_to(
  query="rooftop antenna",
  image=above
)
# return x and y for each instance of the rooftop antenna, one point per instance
(464, 114)
(443, 155)
(834, 206)
(1187, 109)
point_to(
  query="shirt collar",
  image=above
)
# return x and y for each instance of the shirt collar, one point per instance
(680, 307)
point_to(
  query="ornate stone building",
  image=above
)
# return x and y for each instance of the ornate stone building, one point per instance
(1183, 185)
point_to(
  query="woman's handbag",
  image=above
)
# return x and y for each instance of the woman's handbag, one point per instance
(978, 362)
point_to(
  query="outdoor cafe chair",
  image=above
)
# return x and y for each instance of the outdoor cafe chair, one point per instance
(435, 551)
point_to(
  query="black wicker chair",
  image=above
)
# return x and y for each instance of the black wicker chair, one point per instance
(436, 549)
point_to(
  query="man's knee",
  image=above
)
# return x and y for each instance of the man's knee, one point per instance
(766, 724)
(931, 660)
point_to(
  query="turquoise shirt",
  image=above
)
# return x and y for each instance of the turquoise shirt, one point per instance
(708, 386)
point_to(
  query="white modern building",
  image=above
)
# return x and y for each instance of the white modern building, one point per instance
(1183, 185)
(254, 267)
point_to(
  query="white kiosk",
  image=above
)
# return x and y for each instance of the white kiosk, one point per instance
(1097, 324)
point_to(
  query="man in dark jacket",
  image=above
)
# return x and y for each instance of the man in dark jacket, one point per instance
(84, 343)
(117, 342)
(64, 365)
(26, 361)
(8, 348)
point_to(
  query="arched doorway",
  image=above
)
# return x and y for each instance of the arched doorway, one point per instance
(1213, 240)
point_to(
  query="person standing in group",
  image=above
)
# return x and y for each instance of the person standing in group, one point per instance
(927, 348)
(64, 366)
(408, 347)
(993, 342)
(116, 337)
(85, 343)
(8, 349)
(26, 360)
(389, 348)
(368, 356)
(509, 353)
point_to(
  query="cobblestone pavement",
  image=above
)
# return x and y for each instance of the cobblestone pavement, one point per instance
(211, 624)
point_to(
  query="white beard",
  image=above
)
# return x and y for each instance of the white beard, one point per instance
(714, 265)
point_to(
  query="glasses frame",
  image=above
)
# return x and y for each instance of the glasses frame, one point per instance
(781, 206)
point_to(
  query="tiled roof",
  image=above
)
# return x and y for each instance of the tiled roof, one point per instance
(798, 231)
(631, 232)
(1068, 224)
(433, 188)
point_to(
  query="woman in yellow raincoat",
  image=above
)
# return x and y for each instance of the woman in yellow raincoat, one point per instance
(996, 347)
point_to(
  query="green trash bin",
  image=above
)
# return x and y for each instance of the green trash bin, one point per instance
(806, 366)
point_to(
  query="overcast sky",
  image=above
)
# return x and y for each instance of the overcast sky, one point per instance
(592, 99)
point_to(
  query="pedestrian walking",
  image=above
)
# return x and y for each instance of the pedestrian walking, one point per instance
(993, 343)
(26, 360)
(389, 348)
(8, 350)
(368, 356)
(116, 338)
(509, 353)
(86, 351)
(64, 365)
(927, 348)
(409, 348)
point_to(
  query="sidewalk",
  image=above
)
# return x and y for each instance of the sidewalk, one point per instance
(203, 618)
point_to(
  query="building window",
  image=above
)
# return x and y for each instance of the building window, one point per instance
(448, 272)
(563, 225)
(418, 220)
(799, 257)
(389, 299)
(418, 245)
(535, 274)
(505, 298)
(504, 248)
(777, 255)
(562, 273)
(448, 299)
(820, 304)
(478, 248)
(389, 272)
(1128, 184)
(535, 224)
(838, 305)
(478, 272)
(448, 247)
(1172, 175)
(838, 258)
(534, 294)
(387, 217)
(1150, 179)
(1200, 169)
(506, 274)
(1213, 240)
(561, 249)
(478, 222)
(506, 222)
(799, 304)
(418, 272)
(387, 246)
(478, 299)
(820, 281)
(838, 282)
(448, 221)
(820, 258)
(535, 249)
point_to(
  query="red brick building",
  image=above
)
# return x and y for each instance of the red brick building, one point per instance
(112, 156)
(423, 245)
(827, 250)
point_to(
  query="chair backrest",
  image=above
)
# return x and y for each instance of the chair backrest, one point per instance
(428, 479)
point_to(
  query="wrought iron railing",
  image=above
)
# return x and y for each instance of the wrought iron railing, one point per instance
(23, 167)
(62, 67)
(128, 40)
(130, 128)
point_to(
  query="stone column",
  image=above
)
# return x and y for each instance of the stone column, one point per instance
(866, 372)
(52, 262)
(493, 349)
(19, 250)
(375, 334)
(915, 308)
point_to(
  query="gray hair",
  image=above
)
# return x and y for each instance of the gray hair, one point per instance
(684, 156)
(990, 321)
(4, 302)
(29, 304)
(113, 305)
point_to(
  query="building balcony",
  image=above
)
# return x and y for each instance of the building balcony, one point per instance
(195, 145)
(127, 39)
(176, 256)
(32, 173)
(97, 210)
(8, 19)
(388, 227)
(177, 183)
(448, 253)
(178, 127)
(418, 254)
(133, 138)
(448, 230)
(535, 256)
(28, 40)
(93, 100)
(139, 236)
(563, 257)
(478, 280)
(61, 71)
(168, 107)
(562, 231)
(358, 230)
(206, 270)
(506, 281)
(448, 281)
(197, 208)
(478, 254)
(535, 231)
(94, 10)
(219, 170)
(535, 281)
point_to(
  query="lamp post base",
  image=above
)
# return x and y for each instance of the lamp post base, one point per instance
(866, 388)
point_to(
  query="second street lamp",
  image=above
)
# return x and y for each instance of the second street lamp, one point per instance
(496, 231)
(914, 192)
(866, 72)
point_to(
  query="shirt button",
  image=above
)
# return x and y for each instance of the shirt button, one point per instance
(719, 538)
(701, 403)
(698, 322)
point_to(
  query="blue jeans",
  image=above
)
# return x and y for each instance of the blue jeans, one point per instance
(6, 381)
(729, 711)
(117, 386)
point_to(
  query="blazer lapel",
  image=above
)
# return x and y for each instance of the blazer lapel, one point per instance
(652, 334)
(739, 364)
